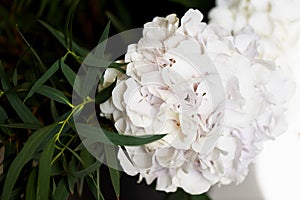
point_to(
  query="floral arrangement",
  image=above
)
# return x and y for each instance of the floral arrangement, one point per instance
(188, 106)
(208, 90)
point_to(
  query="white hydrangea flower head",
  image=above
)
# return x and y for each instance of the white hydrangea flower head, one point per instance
(208, 91)
(277, 23)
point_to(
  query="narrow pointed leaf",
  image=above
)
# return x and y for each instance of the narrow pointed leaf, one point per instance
(105, 33)
(3, 118)
(105, 94)
(41, 64)
(3, 115)
(69, 73)
(71, 182)
(94, 188)
(53, 93)
(61, 39)
(31, 185)
(21, 125)
(100, 49)
(87, 171)
(46, 76)
(89, 83)
(15, 77)
(61, 192)
(42, 7)
(22, 158)
(69, 23)
(112, 162)
(45, 169)
(24, 113)
(54, 111)
(115, 21)
(118, 66)
(100, 135)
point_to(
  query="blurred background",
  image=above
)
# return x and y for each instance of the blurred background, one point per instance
(90, 18)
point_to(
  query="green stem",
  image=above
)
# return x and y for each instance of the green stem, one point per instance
(64, 123)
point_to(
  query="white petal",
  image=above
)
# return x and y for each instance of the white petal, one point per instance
(196, 183)
(126, 164)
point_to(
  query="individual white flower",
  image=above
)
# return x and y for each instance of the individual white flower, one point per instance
(205, 88)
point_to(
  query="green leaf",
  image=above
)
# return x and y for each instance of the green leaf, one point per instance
(42, 7)
(90, 80)
(105, 33)
(15, 77)
(3, 115)
(75, 154)
(47, 75)
(71, 182)
(99, 195)
(61, 39)
(103, 136)
(87, 171)
(200, 197)
(42, 66)
(111, 159)
(53, 93)
(24, 113)
(54, 111)
(68, 25)
(45, 169)
(178, 195)
(21, 125)
(69, 73)
(23, 157)
(3, 118)
(182, 195)
(57, 169)
(94, 188)
(15, 194)
(115, 21)
(100, 49)
(61, 192)
(31, 184)
(121, 10)
(87, 158)
(97, 61)
(126, 140)
(105, 94)
(120, 69)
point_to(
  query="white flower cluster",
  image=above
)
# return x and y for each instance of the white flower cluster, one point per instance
(277, 23)
(205, 88)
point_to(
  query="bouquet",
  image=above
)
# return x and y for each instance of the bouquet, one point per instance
(215, 99)
(183, 104)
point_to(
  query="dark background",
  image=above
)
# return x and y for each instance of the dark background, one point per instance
(90, 18)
